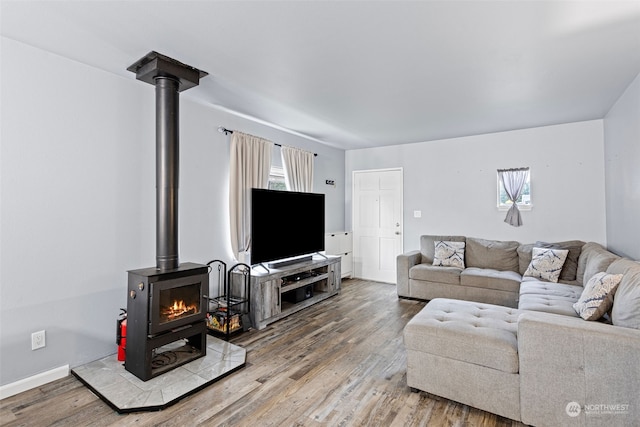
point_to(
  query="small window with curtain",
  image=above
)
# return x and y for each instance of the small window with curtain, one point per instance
(523, 199)
(276, 179)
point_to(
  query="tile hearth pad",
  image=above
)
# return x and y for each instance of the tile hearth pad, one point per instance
(125, 392)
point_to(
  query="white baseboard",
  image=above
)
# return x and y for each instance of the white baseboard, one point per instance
(34, 381)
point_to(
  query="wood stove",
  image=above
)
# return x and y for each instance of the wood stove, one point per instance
(166, 307)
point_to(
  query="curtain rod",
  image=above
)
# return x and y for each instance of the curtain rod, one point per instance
(226, 131)
(513, 169)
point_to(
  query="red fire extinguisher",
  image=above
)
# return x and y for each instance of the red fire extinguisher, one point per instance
(121, 335)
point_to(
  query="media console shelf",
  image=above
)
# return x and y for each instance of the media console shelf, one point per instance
(283, 291)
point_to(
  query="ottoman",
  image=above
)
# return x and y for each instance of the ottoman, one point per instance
(467, 352)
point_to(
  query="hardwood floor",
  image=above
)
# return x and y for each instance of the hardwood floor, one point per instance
(338, 363)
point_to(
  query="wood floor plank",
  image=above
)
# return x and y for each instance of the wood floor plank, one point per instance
(340, 362)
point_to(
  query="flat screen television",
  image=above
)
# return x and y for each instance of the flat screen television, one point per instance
(285, 224)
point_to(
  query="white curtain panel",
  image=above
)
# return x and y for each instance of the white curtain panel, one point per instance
(298, 169)
(249, 168)
(513, 181)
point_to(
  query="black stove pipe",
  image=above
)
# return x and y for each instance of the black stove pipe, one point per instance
(170, 77)
(167, 172)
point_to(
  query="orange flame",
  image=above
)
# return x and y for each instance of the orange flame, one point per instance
(178, 309)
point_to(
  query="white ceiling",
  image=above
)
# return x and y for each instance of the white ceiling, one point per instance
(357, 74)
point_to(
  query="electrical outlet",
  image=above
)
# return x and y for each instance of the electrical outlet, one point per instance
(37, 340)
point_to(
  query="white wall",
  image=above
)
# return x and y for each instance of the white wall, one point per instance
(622, 172)
(78, 200)
(453, 183)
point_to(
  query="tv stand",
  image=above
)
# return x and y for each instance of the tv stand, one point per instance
(283, 291)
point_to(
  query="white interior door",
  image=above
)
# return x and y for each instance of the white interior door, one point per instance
(377, 223)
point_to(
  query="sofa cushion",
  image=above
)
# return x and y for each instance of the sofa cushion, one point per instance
(623, 266)
(427, 245)
(449, 254)
(491, 279)
(432, 273)
(530, 285)
(548, 303)
(493, 254)
(626, 301)
(472, 332)
(524, 257)
(546, 264)
(597, 297)
(593, 259)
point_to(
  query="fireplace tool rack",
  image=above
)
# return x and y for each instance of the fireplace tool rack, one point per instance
(228, 312)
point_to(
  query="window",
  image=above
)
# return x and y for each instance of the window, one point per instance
(276, 179)
(524, 201)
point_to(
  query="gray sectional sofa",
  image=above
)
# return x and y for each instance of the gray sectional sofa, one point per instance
(513, 345)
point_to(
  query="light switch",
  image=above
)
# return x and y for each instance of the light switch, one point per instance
(417, 214)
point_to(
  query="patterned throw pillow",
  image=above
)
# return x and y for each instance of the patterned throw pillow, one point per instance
(546, 264)
(597, 296)
(449, 254)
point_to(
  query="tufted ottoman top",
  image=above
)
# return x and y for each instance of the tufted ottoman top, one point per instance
(482, 334)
